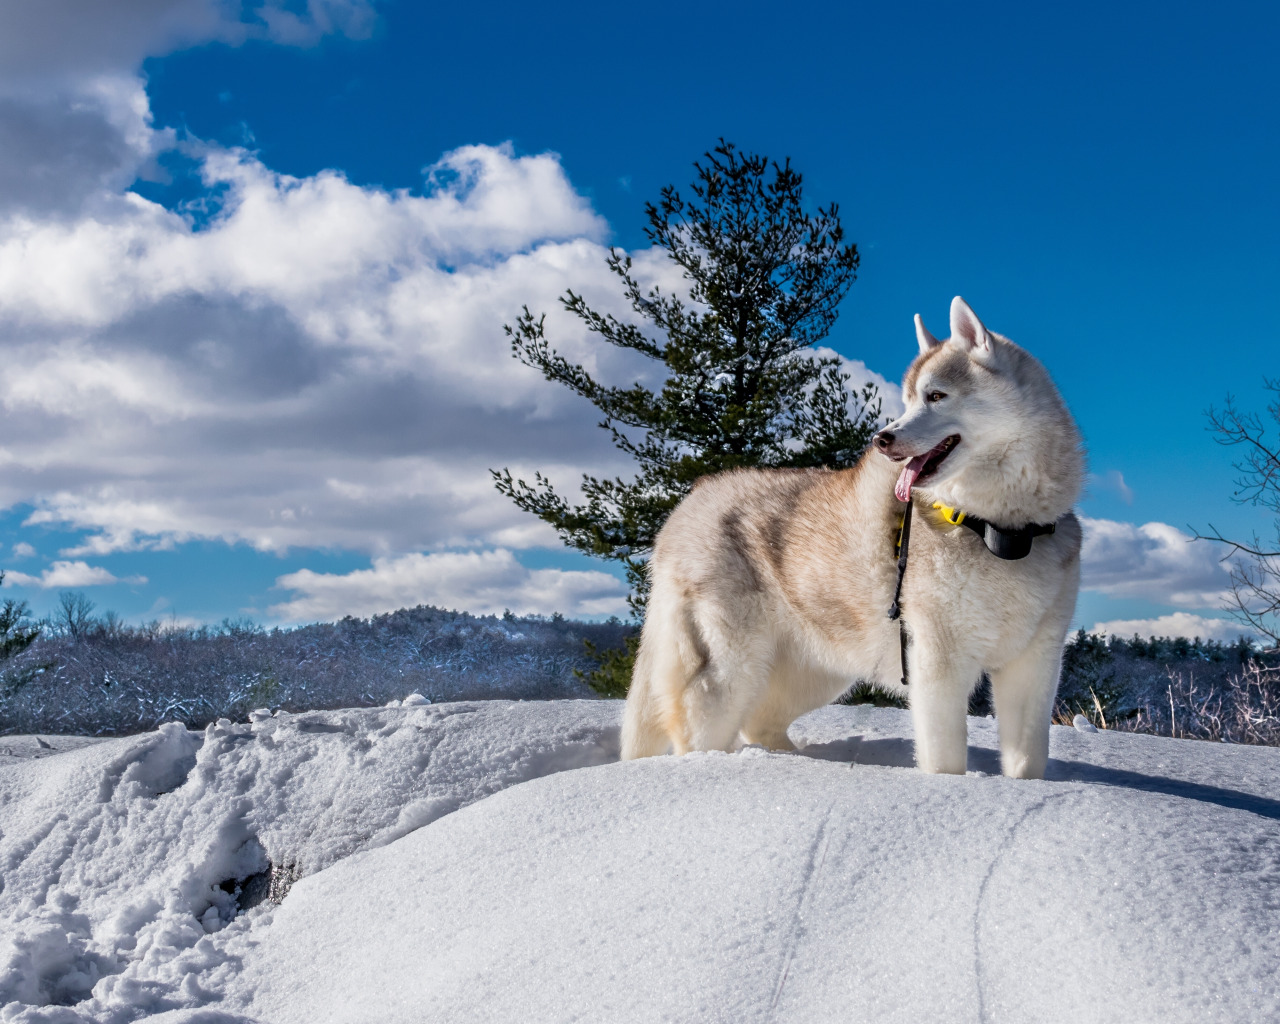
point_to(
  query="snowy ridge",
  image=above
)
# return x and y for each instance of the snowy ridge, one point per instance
(452, 867)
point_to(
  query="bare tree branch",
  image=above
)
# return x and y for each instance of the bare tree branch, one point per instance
(1255, 569)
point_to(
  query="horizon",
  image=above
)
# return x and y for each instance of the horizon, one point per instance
(54, 620)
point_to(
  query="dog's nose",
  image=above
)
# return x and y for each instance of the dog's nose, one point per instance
(882, 440)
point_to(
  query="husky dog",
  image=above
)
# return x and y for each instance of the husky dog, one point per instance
(771, 588)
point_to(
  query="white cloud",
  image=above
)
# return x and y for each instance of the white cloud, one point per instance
(71, 574)
(75, 125)
(1155, 561)
(323, 364)
(1176, 624)
(23, 550)
(483, 582)
(75, 148)
(311, 248)
(1113, 481)
(314, 363)
(56, 40)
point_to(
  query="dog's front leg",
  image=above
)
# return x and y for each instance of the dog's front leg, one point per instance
(1023, 693)
(939, 698)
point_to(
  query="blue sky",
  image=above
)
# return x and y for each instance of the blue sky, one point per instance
(254, 417)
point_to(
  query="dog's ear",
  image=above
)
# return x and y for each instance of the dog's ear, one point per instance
(926, 340)
(967, 329)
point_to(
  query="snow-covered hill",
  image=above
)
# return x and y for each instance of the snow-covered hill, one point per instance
(453, 868)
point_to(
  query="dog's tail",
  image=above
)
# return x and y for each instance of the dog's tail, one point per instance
(644, 732)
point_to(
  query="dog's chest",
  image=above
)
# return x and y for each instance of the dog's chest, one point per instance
(954, 581)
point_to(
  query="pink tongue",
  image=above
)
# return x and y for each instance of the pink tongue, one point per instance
(907, 478)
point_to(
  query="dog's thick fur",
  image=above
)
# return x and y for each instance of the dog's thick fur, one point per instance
(770, 588)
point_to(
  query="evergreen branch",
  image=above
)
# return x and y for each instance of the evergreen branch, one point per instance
(17, 632)
(610, 328)
(529, 344)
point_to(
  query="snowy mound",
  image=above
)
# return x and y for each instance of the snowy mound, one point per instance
(451, 869)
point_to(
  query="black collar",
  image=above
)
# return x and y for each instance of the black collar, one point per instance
(1009, 544)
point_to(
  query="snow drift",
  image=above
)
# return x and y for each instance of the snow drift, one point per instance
(452, 867)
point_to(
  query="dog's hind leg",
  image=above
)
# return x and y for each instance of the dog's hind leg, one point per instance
(677, 700)
(732, 673)
(768, 720)
(695, 678)
(793, 690)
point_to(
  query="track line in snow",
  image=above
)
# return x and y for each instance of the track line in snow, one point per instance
(1006, 845)
(817, 858)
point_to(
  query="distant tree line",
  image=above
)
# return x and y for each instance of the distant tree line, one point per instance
(75, 672)
(97, 675)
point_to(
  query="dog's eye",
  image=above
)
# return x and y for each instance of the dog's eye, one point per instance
(935, 396)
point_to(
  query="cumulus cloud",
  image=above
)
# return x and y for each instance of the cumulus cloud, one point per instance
(1113, 481)
(311, 363)
(57, 40)
(75, 149)
(1177, 624)
(484, 582)
(23, 550)
(321, 364)
(1155, 561)
(75, 125)
(70, 574)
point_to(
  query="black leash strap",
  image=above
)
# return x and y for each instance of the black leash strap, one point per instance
(895, 612)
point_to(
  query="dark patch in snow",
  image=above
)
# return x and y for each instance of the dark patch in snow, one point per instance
(271, 884)
(253, 890)
(282, 878)
(248, 892)
(1080, 771)
(320, 727)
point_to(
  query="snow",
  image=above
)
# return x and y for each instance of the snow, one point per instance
(492, 861)
(24, 748)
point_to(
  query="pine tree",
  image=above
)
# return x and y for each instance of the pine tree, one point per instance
(741, 382)
(17, 633)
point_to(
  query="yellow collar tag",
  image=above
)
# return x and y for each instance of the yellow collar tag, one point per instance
(952, 515)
